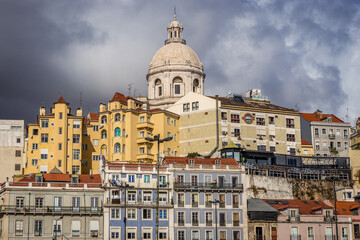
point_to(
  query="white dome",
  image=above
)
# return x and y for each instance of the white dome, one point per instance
(175, 53)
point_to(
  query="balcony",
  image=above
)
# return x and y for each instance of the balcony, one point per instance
(332, 136)
(222, 204)
(222, 223)
(329, 218)
(38, 233)
(181, 204)
(141, 141)
(50, 209)
(120, 203)
(145, 156)
(236, 223)
(294, 218)
(194, 204)
(208, 204)
(195, 222)
(181, 222)
(235, 204)
(295, 237)
(209, 222)
(148, 125)
(208, 186)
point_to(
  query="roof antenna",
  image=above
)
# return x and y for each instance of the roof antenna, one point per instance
(129, 88)
(347, 115)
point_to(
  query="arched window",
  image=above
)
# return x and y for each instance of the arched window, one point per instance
(117, 132)
(124, 118)
(195, 85)
(158, 87)
(117, 117)
(124, 133)
(103, 150)
(124, 149)
(117, 148)
(177, 82)
(103, 119)
(103, 134)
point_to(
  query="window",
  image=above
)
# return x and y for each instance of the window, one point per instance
(117, 117)
(235, 118)
(124, 133)
(344, 233)
(115, 233)
(75, 169)
(117, 132)
(57, 228)
(163, 214)
(345, 133)
(76, 124)
(76, 203)
(61, 115)
(292, 162)
(96, 142)
(142, 119)
(76, 154)
(39, 202)
(316, 132)
(18, 140)
(131, 178)
(94, 201)
(261, 147)
(19, 202)
(34, 146)
(177, 89)
(43, 154)
(223, 235)
(260, 121)
(181, 235)
(162, 234)
(290, 123)
(357, 230)
(131, 213)
(160, 91)
(186, 107)
(146, 214)
(123, 148)
(115, 213)
(195, 106)
(236, 219)
(60, 146)
(95, 128)
(194, 180)
(146, 178)
(195, 218)
(44, 123)
(103, 120)
(339, 144)
(35, 132)
(117, 148)
(290, 137)
(76, 138)
(169, 151)
(17, 153)
(180, 199)
(75, 228)
(95, 157)
(103, 134)
(84, 147)
(272, 149)
(34, 162)
(271, 120)
(142, 150)
(208, 218)
(38, 228)
(323, 131)
(19, 227)
(142, 134)
(338, 132)
(44, 137)
(236, 132)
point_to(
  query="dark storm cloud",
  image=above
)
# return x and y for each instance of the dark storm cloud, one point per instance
(298, 52)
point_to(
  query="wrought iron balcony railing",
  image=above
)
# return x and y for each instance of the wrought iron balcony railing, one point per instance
(205, 186)
(50, 209)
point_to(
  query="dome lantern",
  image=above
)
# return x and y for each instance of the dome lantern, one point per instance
(175, 32)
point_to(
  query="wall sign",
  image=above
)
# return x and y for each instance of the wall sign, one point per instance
(248, 118)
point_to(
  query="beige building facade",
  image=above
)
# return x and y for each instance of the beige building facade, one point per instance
(12, 138)
(252, 124)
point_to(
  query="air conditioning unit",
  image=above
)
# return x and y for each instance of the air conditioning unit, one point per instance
(94, 233)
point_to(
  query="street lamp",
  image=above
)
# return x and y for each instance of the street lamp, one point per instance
(56, 227)
(216, 217)
(158, 140)
(333, 179)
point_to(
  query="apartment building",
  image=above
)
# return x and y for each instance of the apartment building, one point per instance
(208, 195)
(130, 201)
(250, 121)
(12, 154)
(328, 134)
(355, 136)
(50, 206)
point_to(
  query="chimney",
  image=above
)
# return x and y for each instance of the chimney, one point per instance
(79, 112)
(102, 107)
(42, 111)
(318, 114)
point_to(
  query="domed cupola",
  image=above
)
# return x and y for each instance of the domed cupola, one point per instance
(174, 70)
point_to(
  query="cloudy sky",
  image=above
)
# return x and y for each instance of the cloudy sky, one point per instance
(303, 53)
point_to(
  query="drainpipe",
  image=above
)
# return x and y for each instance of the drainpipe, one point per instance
(217, 129)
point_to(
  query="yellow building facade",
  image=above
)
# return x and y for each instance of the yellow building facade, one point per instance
(62, 142)
(355, 136)
(306, 148)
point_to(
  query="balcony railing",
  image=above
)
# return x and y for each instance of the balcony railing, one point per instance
(236, 223)
(195, 222)
(51, 209)
(117, 201)
(181, 222)
(330, 237)
(294, 219)
(222, 204)
(222, 223)
(295, 237)
(181, 204)
(194, 204)
(38, 233)
(204, 186)
(235, 204)
(208, 204)
(332, 136)
(209, 223)
(329, 218)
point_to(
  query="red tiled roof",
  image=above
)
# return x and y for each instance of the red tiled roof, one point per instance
(343, 208)
(304, 142)
(93, 116)
(306, 207)
(119, 97)
(310, 117)
(156, 110)
(61, 100)
(89, 178)
(185, 160)
(56, 177)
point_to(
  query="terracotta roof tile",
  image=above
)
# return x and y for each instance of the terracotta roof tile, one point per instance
(61, 100)
(306, 207)
(185, 160)
(56, 177)
(304, 142)
(310, 117)
(93, 116)
(343, 208)
(119, 97)
(89, 178)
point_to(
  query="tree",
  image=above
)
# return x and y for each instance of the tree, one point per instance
(193, 155)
